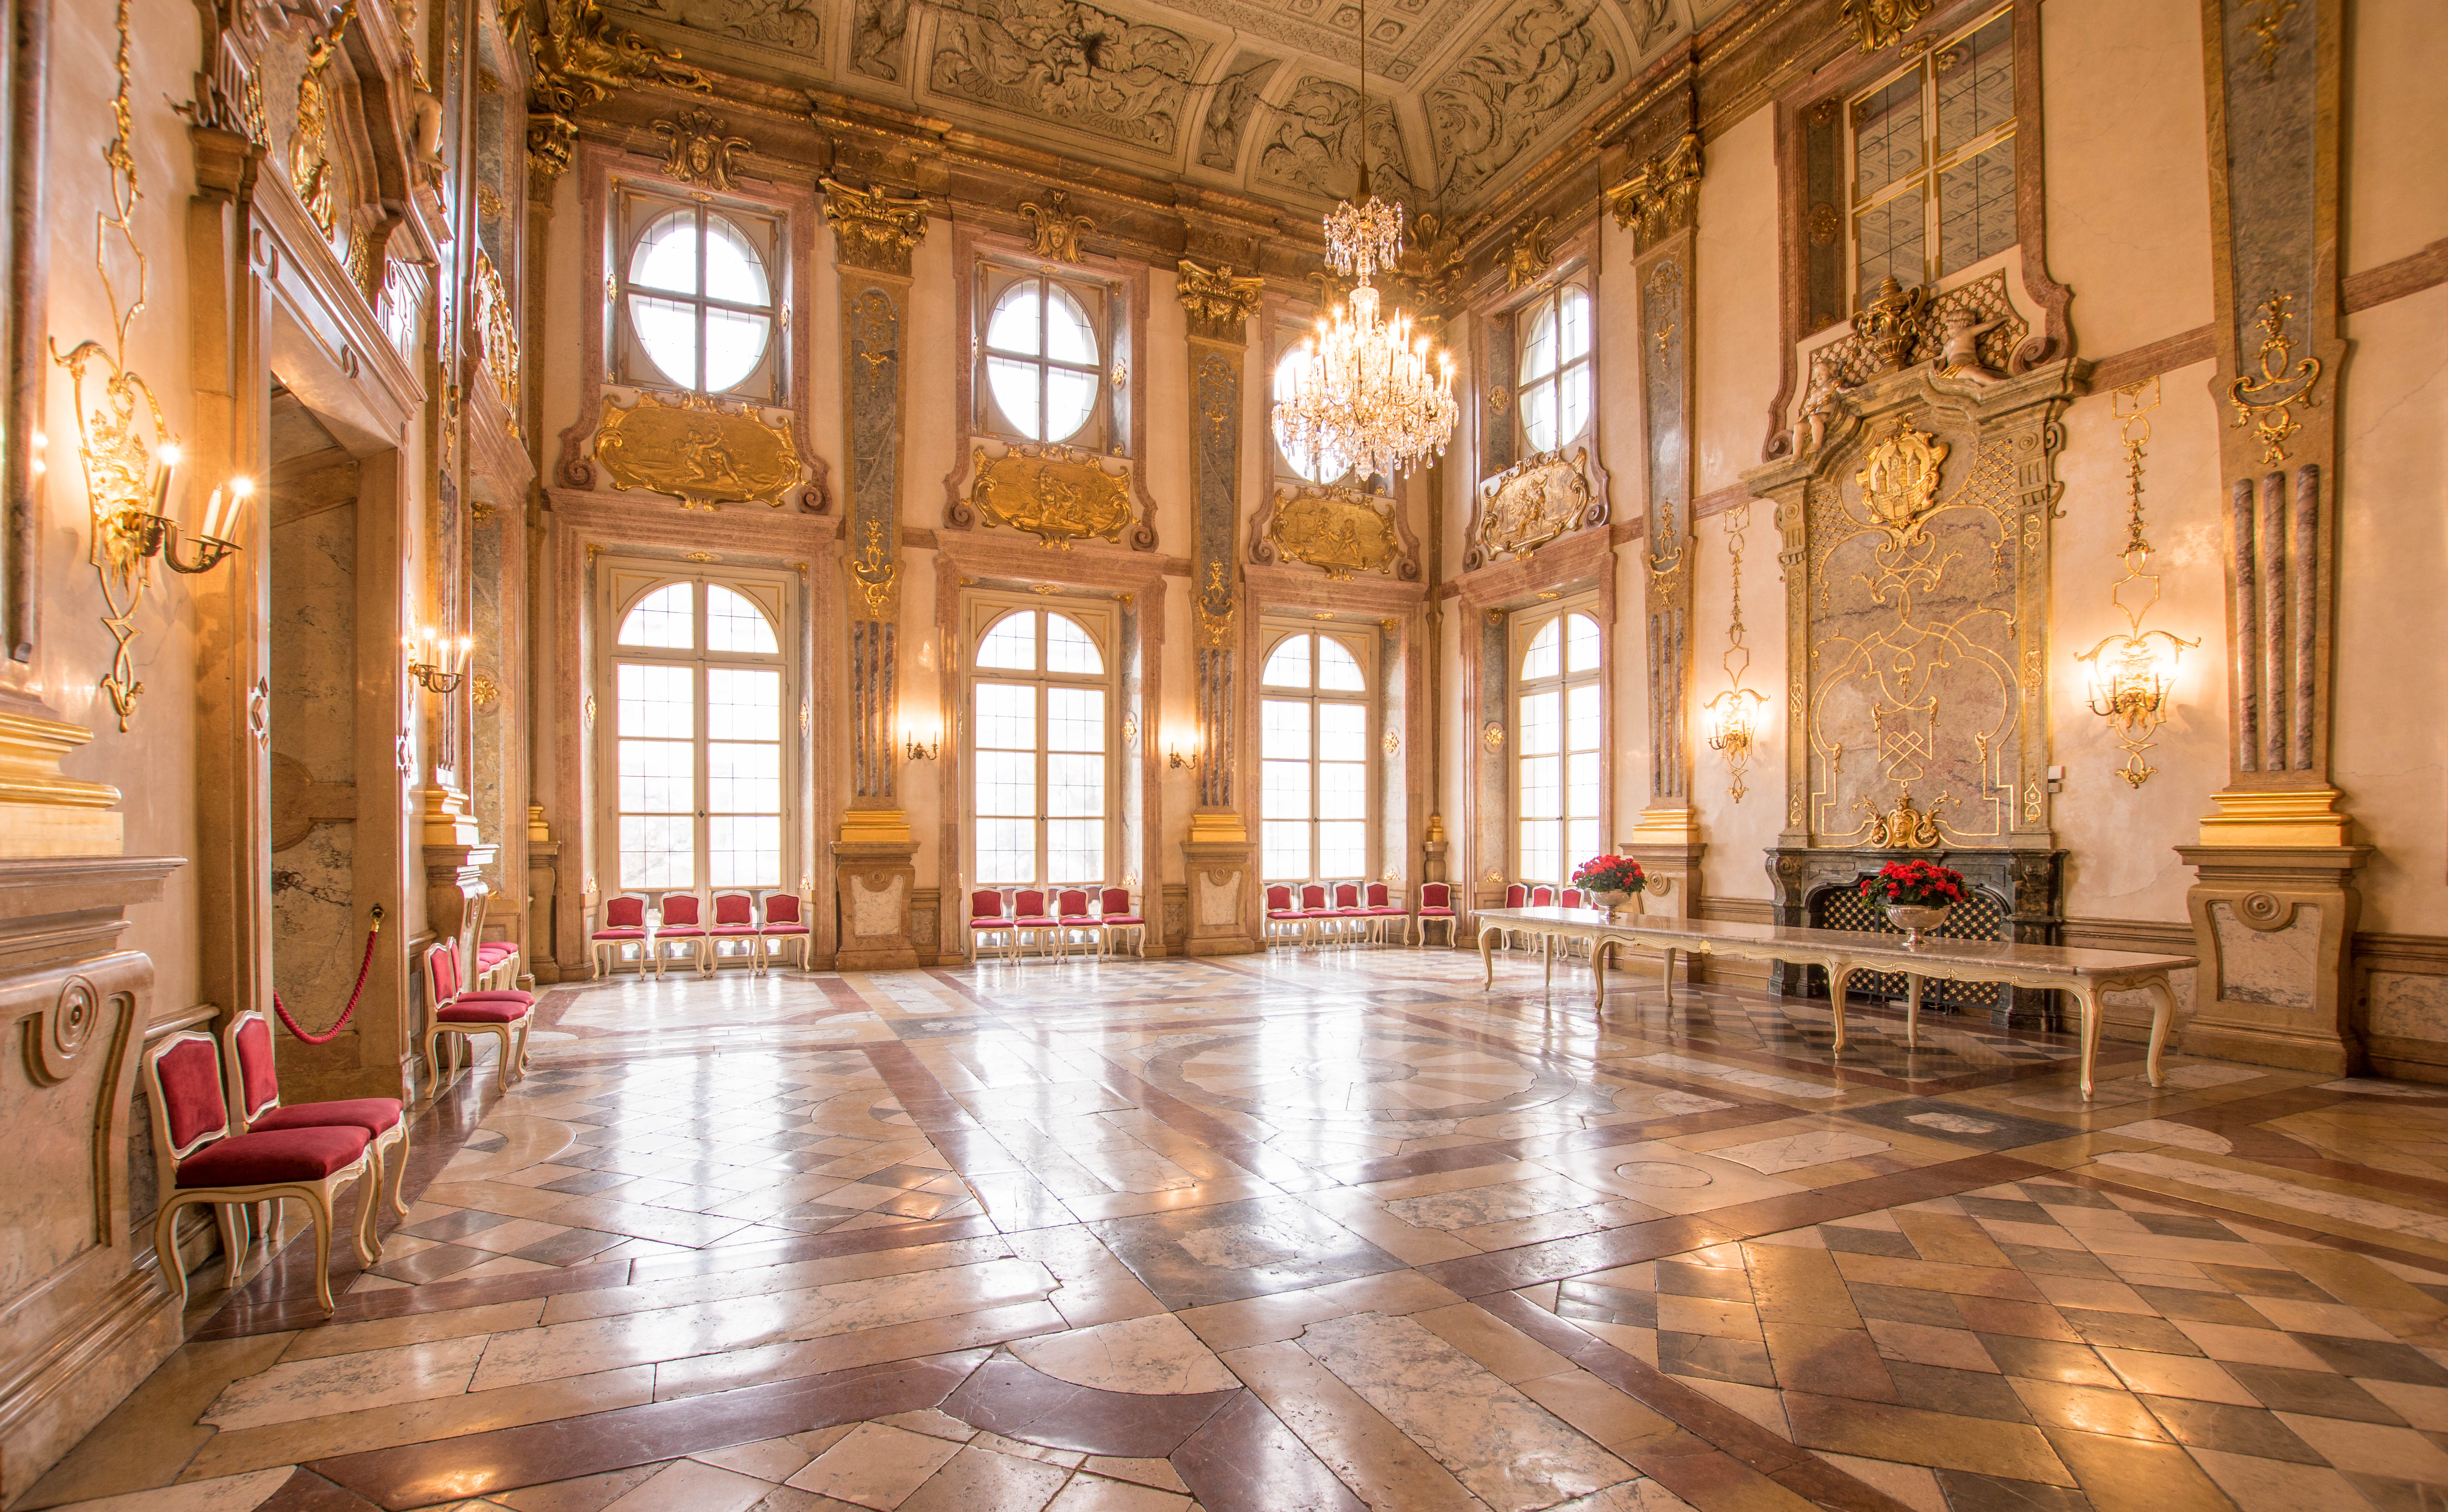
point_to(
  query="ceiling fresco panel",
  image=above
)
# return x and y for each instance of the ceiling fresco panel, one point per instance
(1070, 64)
(1527, 74)
(1311, 142)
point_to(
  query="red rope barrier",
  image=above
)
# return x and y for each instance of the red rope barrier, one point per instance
(354, 992)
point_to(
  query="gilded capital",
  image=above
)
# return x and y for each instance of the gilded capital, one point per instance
(1878, 23)
(871, 229)
(1217, 302)
(1663, 197)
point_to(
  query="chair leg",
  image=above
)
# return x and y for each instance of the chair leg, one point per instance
(399, 1171)
(362, 1232)
(167, 1251)
(318, 1212)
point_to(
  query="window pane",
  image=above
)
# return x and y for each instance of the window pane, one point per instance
(1890, 241)
(743, 778)
(1342, 849)
(1006, 851)
(1572, 405)
(1068, 336)
(1069, 397)
(1289, 667)
(1008, 783)
(1011, 646)
(1338, 670)
(1581, 795)
(1068, 647)
(665, 255)
(1015, 394)
(1342, 790)
(1582, 643)
(1284, 729)
(1582, 718)
(1975, 85)
(1287, 848)
(1075, 851)
(1886, 136)
(1075, 786)
(1075, 718)
(1538, 352)
(1542, 718)
(1574, 338)
(1543, 789)
(657, 776)
(1006, 716)
(734, 271)
(1545, 657)
(1541, 841)
(743, 703)
(746, 853)
(1343, 732)
(667, 329)
(662, 619)
(1284, 793)
(1580, 844)
(1539, 416)
(1976, 208)
(734, 343)
(733, 622)
(1014, 324)
(659, 702)
(657, 852)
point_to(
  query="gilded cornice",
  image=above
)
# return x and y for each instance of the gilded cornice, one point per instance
(871, 229)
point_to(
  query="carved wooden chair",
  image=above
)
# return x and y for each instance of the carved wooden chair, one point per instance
(782, 927)
(734, 923)
(1284, 921)
(1072, 916)
(497, 961)
(988, 922)
(459, 1016)
(1436, 906)
(1114, 915)
(247, 1054)
(680, 924)
(1029, 918)
(1378, 906)
(624, 925)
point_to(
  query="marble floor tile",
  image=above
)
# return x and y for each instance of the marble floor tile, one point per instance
(1154, 1356)
(875, 1467)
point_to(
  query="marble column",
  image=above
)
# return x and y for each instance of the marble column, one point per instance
(875, 852)
(2274, 902)
(1217, 855)
(1657, 206)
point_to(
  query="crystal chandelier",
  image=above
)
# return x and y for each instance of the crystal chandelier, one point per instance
(1362, 389)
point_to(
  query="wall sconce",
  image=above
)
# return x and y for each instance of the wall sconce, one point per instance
(917, 750)
(436, 660)
(1732, 722)
(2133, 676)
(155, 534)
(1176, 760)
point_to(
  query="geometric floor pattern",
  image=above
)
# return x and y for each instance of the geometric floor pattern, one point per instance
(1332, 1229)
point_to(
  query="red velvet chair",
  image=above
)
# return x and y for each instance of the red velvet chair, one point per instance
(988, 922)
(681, 923)
(1543, 897)
(1115, 913)
(247, 1047)
(1072, 916)
(497, 961)
(462, 1015)
(1028, 916)
(734, 921)
(624, 925)
(1351, 920)
(782, 927)
(201, 1162)
(1436, 906)
(1283, 919)
(1316, 909)
(1377, 905)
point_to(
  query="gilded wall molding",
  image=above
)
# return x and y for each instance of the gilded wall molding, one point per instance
(1535, 501)
(698, 149)
(1339, 529)
(1058, 494)
(701, 451)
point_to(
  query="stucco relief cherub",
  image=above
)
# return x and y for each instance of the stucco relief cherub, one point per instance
(1960, 355)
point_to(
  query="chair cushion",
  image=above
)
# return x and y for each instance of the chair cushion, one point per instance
(800, 928)
(464, 1011)
(678, 932)
(498, 995)
(981, 924)
(1436, 913)
(732, 930)
(1037, 921)
(497, 950)
(618, 934)
(374, 1115)
(1111, 919)
(279, 1154)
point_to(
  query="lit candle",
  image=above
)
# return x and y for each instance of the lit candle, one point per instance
(212, 514)
(169, 465)
(233, 521)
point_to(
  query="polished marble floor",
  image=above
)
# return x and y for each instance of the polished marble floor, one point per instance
(1332, 1229)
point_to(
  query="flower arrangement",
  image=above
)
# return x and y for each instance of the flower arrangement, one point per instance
(1914, 884)
(1610, 873)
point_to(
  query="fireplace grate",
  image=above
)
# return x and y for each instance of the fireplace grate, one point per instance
(1981, 916)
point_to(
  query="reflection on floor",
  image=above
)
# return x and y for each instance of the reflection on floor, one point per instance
(1326, 1230)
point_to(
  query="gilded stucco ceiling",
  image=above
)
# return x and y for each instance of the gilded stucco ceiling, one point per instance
(1257, 95)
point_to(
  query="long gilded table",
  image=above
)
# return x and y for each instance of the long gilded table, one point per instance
(2086, 974)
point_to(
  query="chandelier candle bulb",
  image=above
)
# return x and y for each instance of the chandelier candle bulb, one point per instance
(162, 476)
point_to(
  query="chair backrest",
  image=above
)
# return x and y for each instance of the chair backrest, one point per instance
(1279, 895)
(1071, 903)
(1028, 903)
(1378, 896)
(1436, 895)
(734, 907)
(986, 902)
(627, 911)
(781, 907)
(189, 1109)
(441, 974)
(1347, 895)
(1543, 897)
(1312, 896)
(1572, 897)
(1516, 895)
(679, 908)
(1118, 900)
(255, 1080)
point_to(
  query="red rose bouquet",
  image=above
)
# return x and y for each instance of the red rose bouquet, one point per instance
(1914, 884)
(1610, 873)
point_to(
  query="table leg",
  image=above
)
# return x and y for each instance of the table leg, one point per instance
(1912, 1012)
(1598, 949)
(2163, 1012)
(1547, 954)
(1669, 978)
(1839, 981)
(1488, 935)
(2090, 1001)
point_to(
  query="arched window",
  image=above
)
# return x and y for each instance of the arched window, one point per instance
(1041, 704)
(697, 302)
(1555, 379)
(1317, 467)
(698, 774)
(1559, 769)
(1043, 357)
(1314, 748)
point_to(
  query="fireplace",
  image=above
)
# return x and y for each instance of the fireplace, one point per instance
(2016, 894)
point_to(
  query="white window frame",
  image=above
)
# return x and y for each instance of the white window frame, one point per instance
(1922, 181)
(1102, 304)
(1525, 628)
(1525, 318)
(1362, 649)
(635, 208)
(1102, 621)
